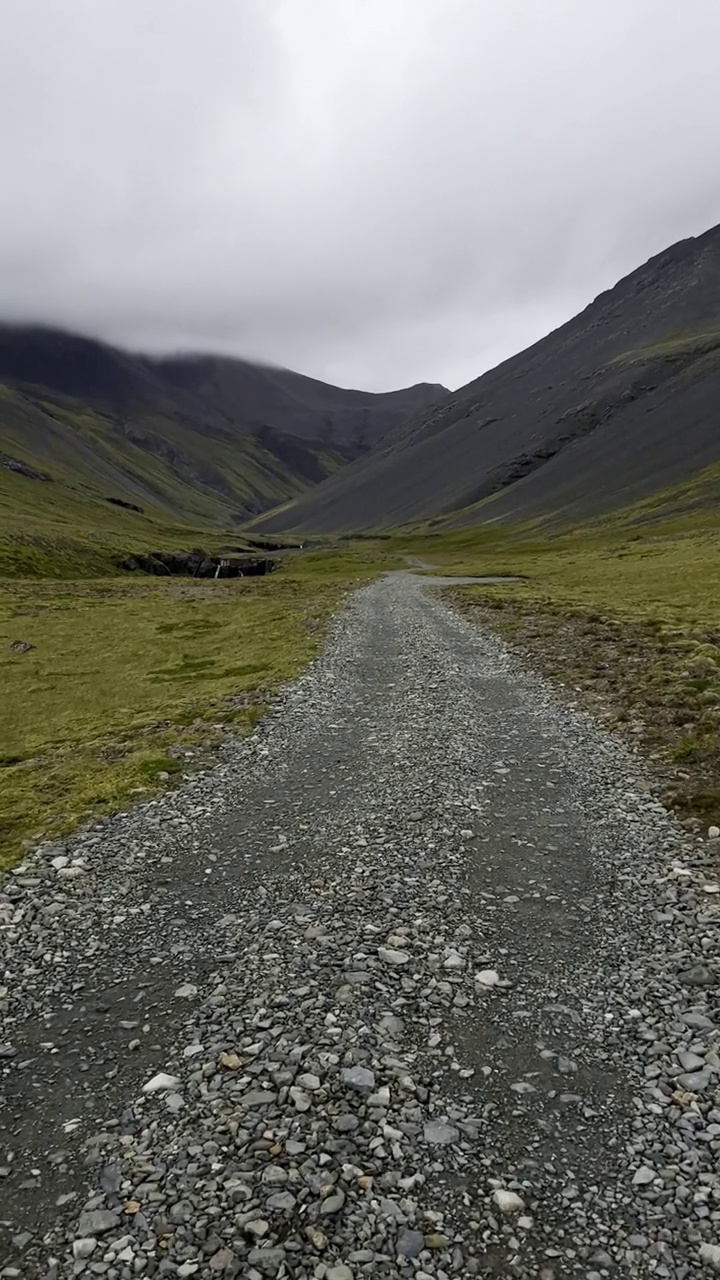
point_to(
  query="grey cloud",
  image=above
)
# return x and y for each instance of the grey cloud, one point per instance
(373, 191)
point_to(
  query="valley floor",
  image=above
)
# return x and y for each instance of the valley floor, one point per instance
(431, 976)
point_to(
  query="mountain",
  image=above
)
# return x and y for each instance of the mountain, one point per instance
(620, 402)
(194, 437)
(258, 395)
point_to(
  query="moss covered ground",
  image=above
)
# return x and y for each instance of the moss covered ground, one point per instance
(128, 677)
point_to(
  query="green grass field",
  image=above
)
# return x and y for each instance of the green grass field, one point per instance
(124, 670)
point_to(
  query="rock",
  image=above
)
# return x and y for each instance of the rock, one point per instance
(258, 1228)
(20, 646)
(695, 1081)
(410, 1243)
(713, 833)
(440, 1134)
(300, 1099)
(340, 1272)
(698, 976)
(381, 1098)
(392, 957)
(188, 990)
(643, 1176)
(487, 978)
(221, 1260)
(710, 1253)
(360, 1079)
(281, 1202)
(268, 1259)
(507, 1201)
(345, 1123)
(97, 1222)
(690, 1061)
(83, 1248)
(333, 1203)
(230, 1061)
(317, 1238)
(309, 1081)
(161, 1082)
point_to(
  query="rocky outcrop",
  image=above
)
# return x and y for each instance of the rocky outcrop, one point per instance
(197, 564)
(21, 468)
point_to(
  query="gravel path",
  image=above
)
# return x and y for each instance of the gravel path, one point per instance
(420, 981)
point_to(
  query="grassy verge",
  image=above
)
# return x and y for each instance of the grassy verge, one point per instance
(627, 615)
(129, 677)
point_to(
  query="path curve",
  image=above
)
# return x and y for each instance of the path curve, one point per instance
(433, 979)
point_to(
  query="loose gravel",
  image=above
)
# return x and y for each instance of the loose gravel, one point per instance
(420, 981)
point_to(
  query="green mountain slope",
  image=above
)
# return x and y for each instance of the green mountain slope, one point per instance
(88, 432)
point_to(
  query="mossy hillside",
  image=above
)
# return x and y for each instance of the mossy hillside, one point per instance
(181, 480)
(53, 531)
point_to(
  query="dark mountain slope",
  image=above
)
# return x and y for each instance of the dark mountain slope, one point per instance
(165, 433)
(615, 403)
(256, 394)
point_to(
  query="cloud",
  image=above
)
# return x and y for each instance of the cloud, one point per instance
(376, 191)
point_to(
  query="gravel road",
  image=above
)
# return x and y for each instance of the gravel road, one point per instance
(420, 981)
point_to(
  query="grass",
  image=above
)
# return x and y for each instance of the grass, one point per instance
(674, 346)
(125, 674)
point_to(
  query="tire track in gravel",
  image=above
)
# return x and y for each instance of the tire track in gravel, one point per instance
(295, 938)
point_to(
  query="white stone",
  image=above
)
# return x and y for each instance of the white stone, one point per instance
(487, 978)
(84, 1248)
(643, 1176)
(713, 833)
(161, 1082)
(710, 1253)
(59, 862)
(187, 991)
(389, 956)
(507, 1201)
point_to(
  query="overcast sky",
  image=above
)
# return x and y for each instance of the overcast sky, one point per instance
(376, 192)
